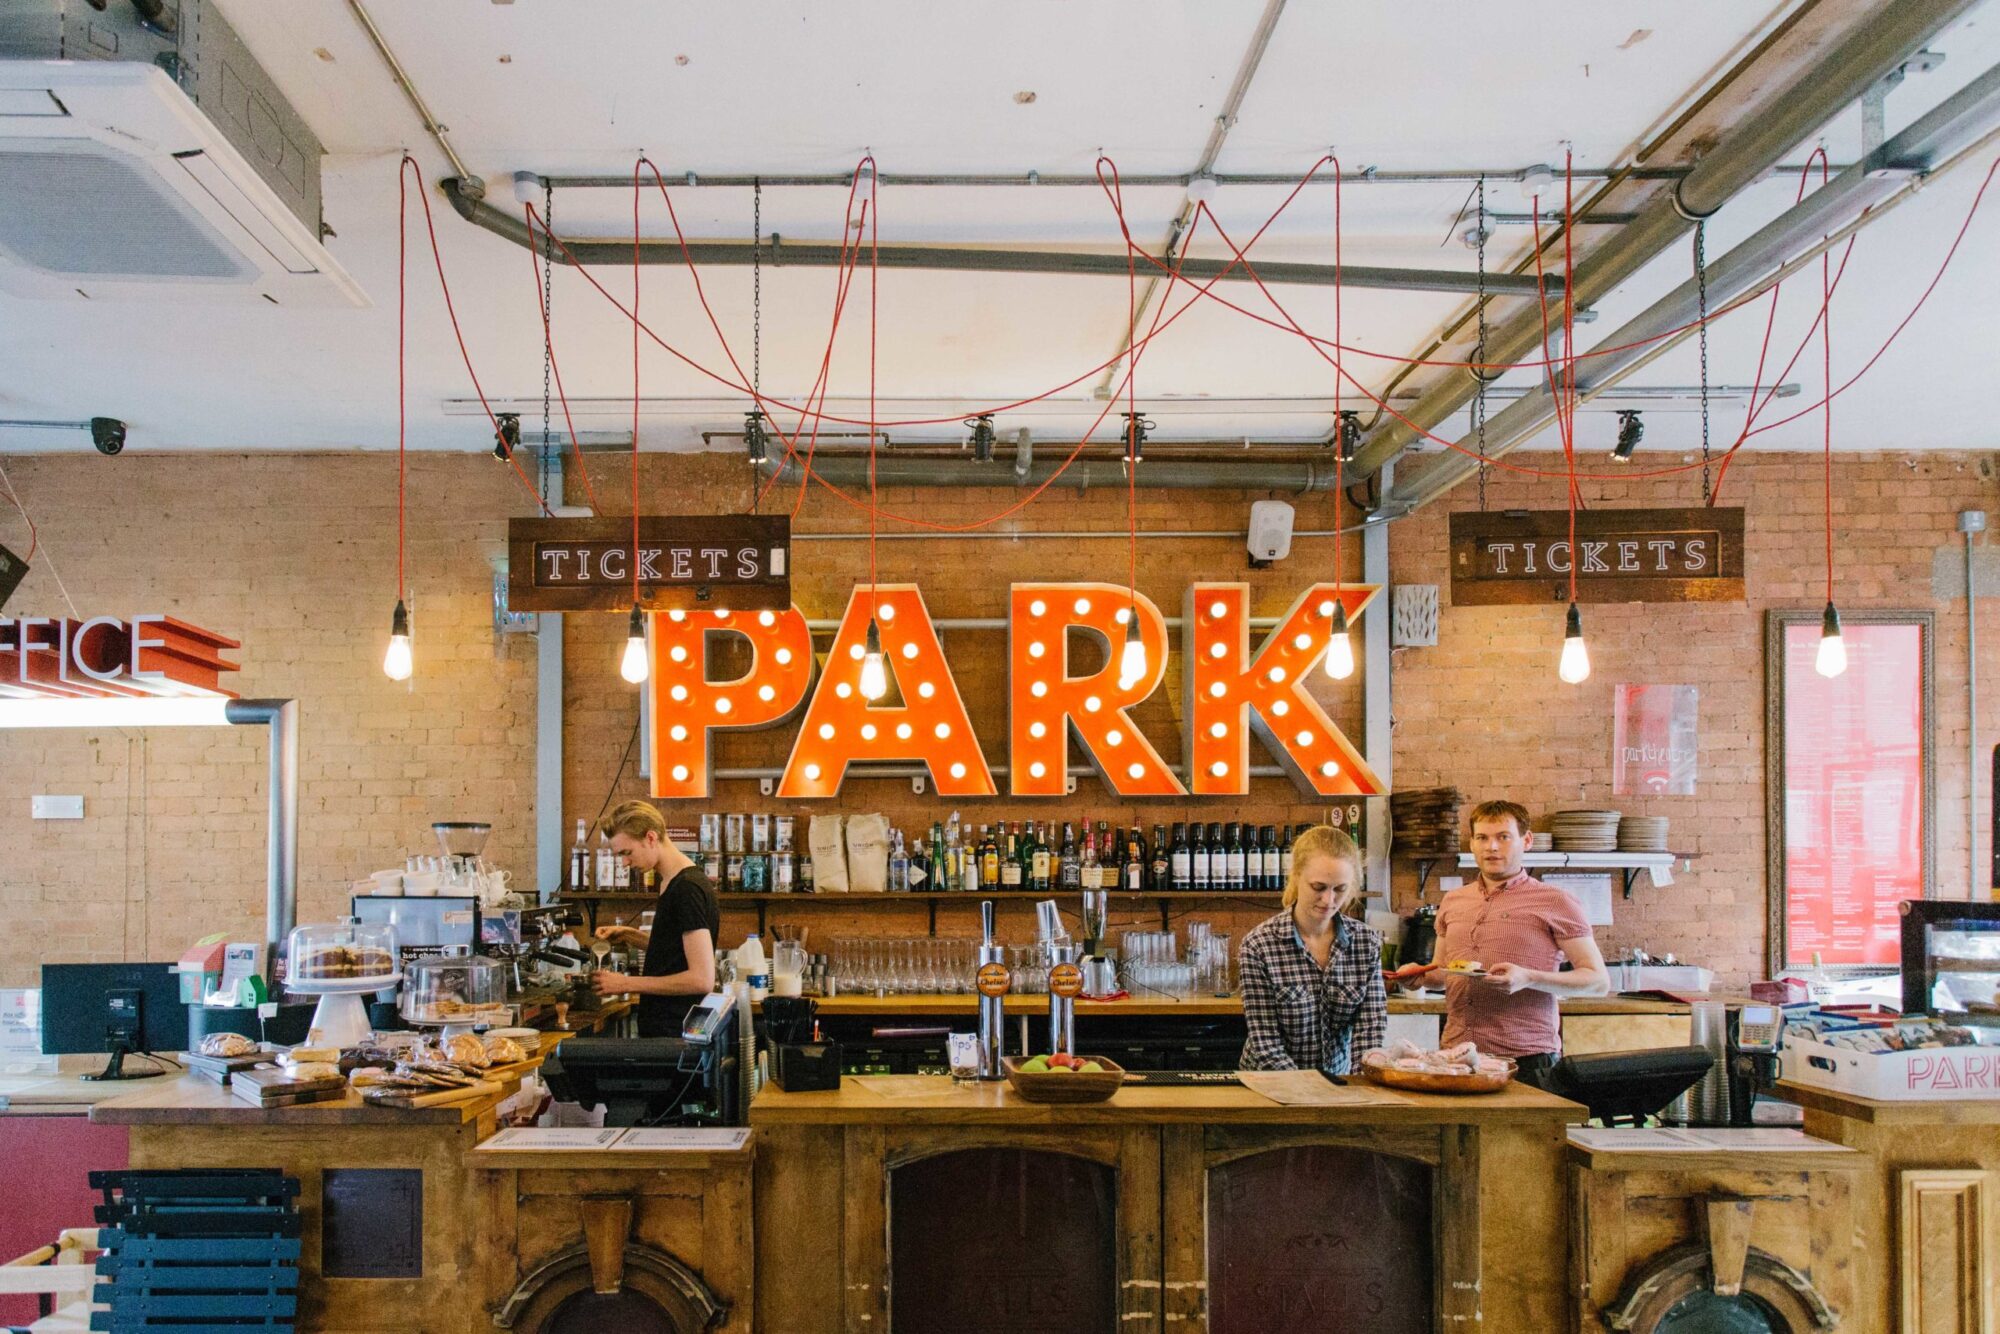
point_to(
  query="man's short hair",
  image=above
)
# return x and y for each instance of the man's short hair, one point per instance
(635, 820)
(1500, 810)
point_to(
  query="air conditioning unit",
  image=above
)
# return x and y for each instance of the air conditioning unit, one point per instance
(157, 162)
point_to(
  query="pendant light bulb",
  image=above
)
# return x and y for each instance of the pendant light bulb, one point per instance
(397, 662)
(1575, 665)
(636, 663)
(1339, 646)
(1132, 664)
(874, 669)
(1832, 657)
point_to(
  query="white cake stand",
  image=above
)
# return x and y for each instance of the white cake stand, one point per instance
(341, 1015)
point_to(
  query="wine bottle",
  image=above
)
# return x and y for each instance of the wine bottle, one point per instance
(1159, 875)
(1180, 864)
(1200, 875)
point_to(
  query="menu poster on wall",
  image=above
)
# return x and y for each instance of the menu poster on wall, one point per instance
(1653, 741)
(1854, 792)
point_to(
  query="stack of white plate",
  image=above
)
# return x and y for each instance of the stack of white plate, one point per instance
(1642, 833)
(1585, 831)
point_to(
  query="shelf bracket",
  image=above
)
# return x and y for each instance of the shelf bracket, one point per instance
(1424, 867)
(1629, 872)
(767, 785)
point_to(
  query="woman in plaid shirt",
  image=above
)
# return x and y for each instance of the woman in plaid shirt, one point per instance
(1312, 978)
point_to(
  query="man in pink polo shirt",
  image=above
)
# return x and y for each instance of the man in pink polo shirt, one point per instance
(1520, 930)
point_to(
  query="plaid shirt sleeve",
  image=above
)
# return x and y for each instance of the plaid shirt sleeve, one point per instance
(1264, 1048)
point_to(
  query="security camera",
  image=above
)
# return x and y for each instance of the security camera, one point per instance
(108, 434)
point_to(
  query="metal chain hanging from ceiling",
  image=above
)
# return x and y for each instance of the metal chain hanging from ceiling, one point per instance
(1479, 373)
(1701, 336)
(756, 419)
(548, 327)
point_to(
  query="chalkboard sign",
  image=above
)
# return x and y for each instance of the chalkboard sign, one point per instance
(1850, 786)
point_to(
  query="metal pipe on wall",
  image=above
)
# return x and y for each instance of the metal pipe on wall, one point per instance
(1171, 474)
(281, 857)
(1970, 522)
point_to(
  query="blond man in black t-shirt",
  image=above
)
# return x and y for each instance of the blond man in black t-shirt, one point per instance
(680, 949)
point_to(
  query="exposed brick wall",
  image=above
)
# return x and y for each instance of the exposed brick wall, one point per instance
(294, 555)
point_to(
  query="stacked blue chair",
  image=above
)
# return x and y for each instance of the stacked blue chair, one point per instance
(197, 1251)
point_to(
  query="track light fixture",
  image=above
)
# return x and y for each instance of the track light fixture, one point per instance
(756, 437)
(1630, 432)
(635, 665)
(397, 662)
(507, 438)
(982, 437)
(874, 670)
(1575, 665)
(1137, 430)
(1348, 436)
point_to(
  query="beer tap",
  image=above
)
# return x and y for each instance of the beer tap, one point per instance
(992, 979)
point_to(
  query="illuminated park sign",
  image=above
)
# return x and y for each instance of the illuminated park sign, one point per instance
(1231, 693)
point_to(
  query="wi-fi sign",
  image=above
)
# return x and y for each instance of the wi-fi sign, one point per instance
(12, 571)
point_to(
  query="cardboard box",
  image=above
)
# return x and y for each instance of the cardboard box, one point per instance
(1926, 1074)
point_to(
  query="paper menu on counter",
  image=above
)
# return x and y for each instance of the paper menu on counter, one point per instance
(542, 1139)
(704, 1139)
(1310, 1088)
(1677, 1139)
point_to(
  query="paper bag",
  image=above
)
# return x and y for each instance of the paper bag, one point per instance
(868, 853)
(826, 841)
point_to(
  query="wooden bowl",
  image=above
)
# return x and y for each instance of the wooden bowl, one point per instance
(1048, 1086)
(1412, 1082)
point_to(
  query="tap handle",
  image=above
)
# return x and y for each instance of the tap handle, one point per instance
(986, 919)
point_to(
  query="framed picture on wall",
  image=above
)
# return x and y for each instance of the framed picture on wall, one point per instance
(1850, 786)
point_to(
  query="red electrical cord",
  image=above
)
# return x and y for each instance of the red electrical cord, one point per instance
(1826, 369)
(437, 255)
(635, 378)
(1132, 441)
(874, 258)
(1339, 422)
(549, 342)
(402, 310)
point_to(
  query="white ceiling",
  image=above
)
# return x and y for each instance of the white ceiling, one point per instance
(797, 87)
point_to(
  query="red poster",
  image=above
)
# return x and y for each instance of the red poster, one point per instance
(1854, 793)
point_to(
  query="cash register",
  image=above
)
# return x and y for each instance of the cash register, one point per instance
(691, 1080)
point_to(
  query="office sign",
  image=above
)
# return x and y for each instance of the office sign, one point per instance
(739, 561)
(1520, 557)
(53, 657)
(1234, 692)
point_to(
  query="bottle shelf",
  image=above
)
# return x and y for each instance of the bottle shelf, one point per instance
(1166, 898)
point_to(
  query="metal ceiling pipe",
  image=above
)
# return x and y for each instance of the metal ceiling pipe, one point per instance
(1877, 44)
(472, 206)
(1956, 123)
(1082, 475)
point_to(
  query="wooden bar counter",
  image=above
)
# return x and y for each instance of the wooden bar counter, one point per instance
(1926, 1220)
(1218, 1209)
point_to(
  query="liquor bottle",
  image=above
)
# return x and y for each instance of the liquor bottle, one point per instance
(1135, 862)
(989, 859)
(606, 879)
(1159, 875)
(1069, 873)
(808, 877)
(579, 862)
(899, 864)
(1041, 873)
(1090, 876)
(1010, 860)
(1199, 874)
(940, 861)
(1180, 861)
(1024, 847)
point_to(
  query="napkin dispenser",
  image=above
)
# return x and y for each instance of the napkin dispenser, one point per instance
(806, 1067)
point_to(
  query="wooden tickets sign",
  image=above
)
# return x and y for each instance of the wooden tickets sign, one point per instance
(1232, 693)
(1518, 557)
(739, 561)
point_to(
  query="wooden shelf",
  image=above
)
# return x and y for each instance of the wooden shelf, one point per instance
(1658, 866)
(762, 900)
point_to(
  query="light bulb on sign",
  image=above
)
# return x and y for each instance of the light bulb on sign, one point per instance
(1832, 657)
(1575, 664)
(1339, 647)
(397, 663)
(874, 671)
(633, 666)
(1132, 662)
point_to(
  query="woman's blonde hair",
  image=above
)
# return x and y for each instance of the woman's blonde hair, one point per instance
(1323, 840)
(635, 820)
